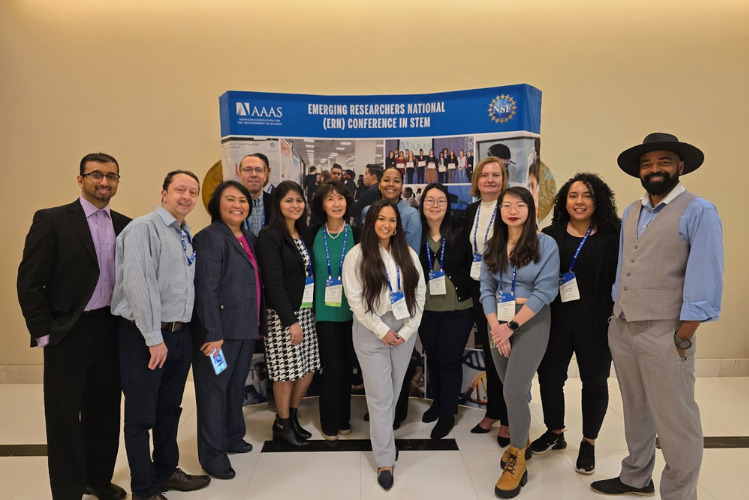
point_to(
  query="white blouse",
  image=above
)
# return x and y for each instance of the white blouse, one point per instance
(352, 285)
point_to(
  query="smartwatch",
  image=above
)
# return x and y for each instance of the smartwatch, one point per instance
(514, 325)
(682, 343)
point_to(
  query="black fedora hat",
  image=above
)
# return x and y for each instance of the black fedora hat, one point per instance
(629, 160)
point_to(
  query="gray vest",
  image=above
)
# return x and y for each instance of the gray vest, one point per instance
(651, 283)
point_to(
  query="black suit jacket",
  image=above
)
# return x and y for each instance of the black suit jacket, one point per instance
(59, 270)
(368, 197)
(607, 258)
(284, 275)
(226, 296)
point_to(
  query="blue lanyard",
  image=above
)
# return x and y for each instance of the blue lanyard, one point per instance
(190, 260)
(343, 250)
(398, 274)
(309, 258)
(476, 229)
(579, 247)
(429, 254)
(514, 273)
(262, 221)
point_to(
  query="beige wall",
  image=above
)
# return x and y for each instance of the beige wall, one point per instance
(140, 79)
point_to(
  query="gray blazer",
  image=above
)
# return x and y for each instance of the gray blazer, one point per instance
(226, 299)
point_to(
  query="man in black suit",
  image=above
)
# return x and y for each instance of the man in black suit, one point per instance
(253, 170)
(348, 177)
(372, 176)
(65, 284)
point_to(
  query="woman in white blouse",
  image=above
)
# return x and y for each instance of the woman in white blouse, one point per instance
(384, 284)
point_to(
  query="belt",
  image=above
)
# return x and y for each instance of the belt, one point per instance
(172, 326)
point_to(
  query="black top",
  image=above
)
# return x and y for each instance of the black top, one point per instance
(457, 262)
(389, 162)
(585, 266)
(283, 272)
(368, 197)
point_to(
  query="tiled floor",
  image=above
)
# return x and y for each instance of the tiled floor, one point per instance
(469, 473)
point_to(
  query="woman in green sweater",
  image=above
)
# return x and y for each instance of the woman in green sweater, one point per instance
(332, 241)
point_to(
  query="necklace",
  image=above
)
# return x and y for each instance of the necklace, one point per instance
(336, 234)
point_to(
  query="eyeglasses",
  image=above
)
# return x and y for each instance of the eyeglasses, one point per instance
(430, 201)
(517, 206)
(258, 170)
(97, 176)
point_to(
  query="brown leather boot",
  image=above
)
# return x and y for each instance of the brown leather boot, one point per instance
(528, 453)
(514, 475)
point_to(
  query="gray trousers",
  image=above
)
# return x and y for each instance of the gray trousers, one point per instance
(516, 371)
(657, 389)
(383, 369)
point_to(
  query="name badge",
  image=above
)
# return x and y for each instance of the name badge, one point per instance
(333, 292)
(437, 284)
(219, 362)
(476, 266)
(398, 301)
(568, 290)
(505, 306)
(309, 293)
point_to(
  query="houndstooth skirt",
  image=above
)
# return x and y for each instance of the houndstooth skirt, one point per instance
(286, 362)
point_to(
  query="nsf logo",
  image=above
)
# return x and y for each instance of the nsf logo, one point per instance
(502, 109)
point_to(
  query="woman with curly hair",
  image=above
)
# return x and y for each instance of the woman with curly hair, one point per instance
(585, 226)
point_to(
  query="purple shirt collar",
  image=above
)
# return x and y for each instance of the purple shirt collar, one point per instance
(90, 209)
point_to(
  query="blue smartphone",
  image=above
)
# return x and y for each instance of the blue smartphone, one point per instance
(219, 363)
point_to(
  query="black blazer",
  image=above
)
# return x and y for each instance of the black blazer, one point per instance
(225, 288)
(368, 197)
(457, 264)
(59, 270)
(607, 258)
(284, 275)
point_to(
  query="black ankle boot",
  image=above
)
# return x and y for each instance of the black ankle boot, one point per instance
(295, 424)
(283, 432)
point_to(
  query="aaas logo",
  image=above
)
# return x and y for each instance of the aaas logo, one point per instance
(244, 109)
(502, 109)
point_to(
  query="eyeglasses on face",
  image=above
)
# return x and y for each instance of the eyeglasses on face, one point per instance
(97, 176)
(431, 201)
(257, 170)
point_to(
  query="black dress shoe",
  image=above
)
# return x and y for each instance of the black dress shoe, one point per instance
(444, 426)
(385, 479)
(241, 447)
(224, 474)
(503, 442)
(480, 430)
(108, 492)
(366, 417)
(431, 414)
(295, 424)
(157, 496)
(617, 487)
(397, 424)
(181, 481)
(284, 433)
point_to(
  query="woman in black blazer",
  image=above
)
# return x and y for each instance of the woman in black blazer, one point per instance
(445, 257)
(228, 316)
(284, 251)
(585, 220)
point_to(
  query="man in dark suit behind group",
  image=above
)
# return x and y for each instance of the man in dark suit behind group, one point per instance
(372, 176)
(65, 284)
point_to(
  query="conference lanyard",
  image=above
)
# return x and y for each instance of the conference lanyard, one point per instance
(397, 298)
(262, 222)
(308, 296)
(512, 289)
(309, 258)
(437, 285)
(429, 254)
(568, 290)
(343, 250)
(506, 301)
(182, 234)
(398, 274)
(579, 247)
(476, 229)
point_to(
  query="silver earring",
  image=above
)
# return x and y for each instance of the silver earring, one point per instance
(394, 233)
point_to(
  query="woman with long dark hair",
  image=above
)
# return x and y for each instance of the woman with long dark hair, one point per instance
(488, 182)
(410, 167)
(448, 310)
(284, 251)
(227, 318)
(452, 166)
(333, 239)
(384, 284)
(519, 278)
(586, 227)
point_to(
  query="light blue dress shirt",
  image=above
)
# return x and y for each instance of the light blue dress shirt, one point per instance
(411, 221)
(701, 228)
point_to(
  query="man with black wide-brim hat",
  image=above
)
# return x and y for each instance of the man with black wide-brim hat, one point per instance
(669, 280)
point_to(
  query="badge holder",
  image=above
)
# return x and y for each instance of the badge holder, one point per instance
(218, 362)
(477, 257)
(568, 290)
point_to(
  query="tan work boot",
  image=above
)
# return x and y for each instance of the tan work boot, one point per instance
(514, 476)
(528, 453)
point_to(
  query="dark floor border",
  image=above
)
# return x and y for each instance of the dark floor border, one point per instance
(713, 442)
(23, 450)
(318, 445)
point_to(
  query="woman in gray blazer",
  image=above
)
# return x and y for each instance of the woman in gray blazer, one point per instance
(228, 317)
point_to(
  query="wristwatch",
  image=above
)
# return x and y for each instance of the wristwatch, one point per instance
(682, 343)
(514, 325)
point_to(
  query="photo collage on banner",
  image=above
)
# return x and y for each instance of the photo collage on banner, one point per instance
(428, 137)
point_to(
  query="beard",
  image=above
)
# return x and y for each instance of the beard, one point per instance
(659, 188)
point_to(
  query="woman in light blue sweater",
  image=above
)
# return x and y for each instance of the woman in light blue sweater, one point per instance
(519, 279)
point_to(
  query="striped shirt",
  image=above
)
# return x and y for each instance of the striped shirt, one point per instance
(154, 281)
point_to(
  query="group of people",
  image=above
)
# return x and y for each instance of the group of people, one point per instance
(133, 304)
(445, 168)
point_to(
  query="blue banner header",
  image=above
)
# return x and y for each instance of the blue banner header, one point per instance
(489, 110)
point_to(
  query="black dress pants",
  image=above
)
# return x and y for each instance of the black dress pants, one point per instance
(219, 400)
(153, 401)
(496, 409)
(337, 355)
(82, 406)
(573, 329)
(444, 336)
